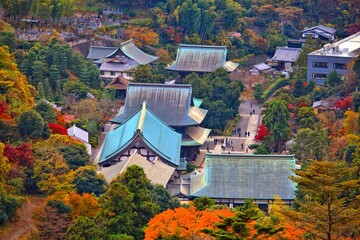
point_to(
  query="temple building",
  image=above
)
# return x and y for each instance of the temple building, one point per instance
(115, 61)
(172, 104)
(232, 178)
(201, 59)
(144, 140)
(119, 84)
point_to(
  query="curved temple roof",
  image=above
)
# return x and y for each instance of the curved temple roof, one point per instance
(128, 48)
(201, 58)
(172, 103)
(159, 137)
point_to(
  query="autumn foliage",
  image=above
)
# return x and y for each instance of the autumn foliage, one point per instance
(20, 155)
(57, 129)
(186, 223)
(142, 35)
(262, 132)
(344, 104)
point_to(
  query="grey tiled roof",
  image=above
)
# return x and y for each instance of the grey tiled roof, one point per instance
(322, 28)
(286, 54)
(170, 102)
(127, 48)
(133, 52)
(201, 58)
(245, 176)
(98, 52)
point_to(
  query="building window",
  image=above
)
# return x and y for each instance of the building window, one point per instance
(102, 72)
(112, 73)
(320, 64)
(340, 66)
(319, 76)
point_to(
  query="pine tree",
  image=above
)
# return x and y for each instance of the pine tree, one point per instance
(48, 90)
(54, 75)
(327, 206)
(63, 64)
(58, 90)
(37, 73)
(84, 75)
(41, 93)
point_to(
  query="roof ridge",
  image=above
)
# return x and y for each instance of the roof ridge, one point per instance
(201, 46)
(161, 84)
(142, 117)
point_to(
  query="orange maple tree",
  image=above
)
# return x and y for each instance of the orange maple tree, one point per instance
(185, 223)
(142, 35)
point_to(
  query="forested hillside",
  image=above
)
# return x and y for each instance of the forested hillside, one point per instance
(46, 87)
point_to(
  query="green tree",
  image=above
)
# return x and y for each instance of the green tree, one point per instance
(311, 144)
(40, 91)
(162, 198)
(306, 117)
(48, 89)
(37, 73)
(54, 75)
(87, 180)
(203, 203)
(326, 210)
(75, 155)
(134, 178)
(276, 117)
(31, 124)
(84, 228)
(46, 111)
(299, 88)
(58, 91)
(258, 92)
(117, 210)
(333, 79)
(356, 101)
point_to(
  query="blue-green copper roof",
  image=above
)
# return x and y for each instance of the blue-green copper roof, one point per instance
(245, 176)
(197, 102)
(158, 136)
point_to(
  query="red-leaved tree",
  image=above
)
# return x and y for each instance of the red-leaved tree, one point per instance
(262, 132)
(21, 155)
(344, 104)
(57, 129)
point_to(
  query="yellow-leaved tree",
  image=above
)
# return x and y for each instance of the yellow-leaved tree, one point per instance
(14, 87)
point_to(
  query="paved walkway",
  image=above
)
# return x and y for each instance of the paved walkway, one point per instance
(250, 119)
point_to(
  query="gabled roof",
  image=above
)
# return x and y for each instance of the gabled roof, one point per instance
(118, 83)
(127, 48)
(321, 28)
(172, 103)
(157, 171)
(201, 58)
(159, 137)
(286, 54)
(245, 176)
(98, 52)
(133, 52)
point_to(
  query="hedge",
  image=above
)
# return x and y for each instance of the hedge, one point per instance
(273, 87)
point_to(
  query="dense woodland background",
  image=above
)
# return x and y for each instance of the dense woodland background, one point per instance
(38, 158)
